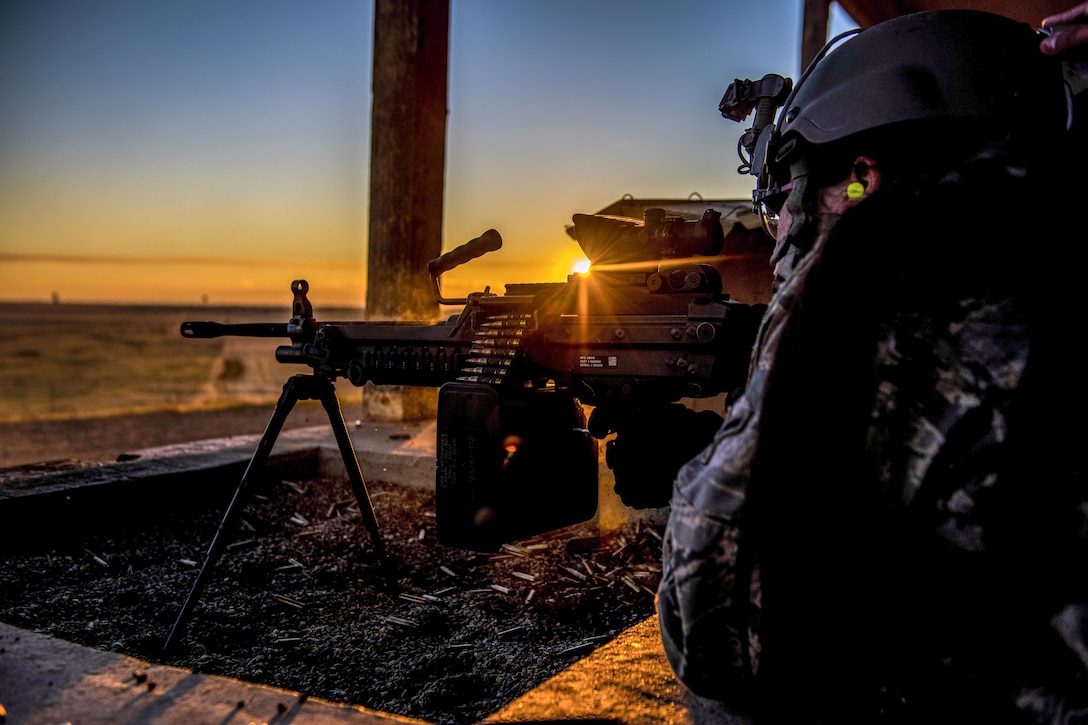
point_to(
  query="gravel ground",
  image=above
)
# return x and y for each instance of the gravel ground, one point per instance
(299, 601)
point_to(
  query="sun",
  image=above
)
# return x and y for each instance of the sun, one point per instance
(580, 266)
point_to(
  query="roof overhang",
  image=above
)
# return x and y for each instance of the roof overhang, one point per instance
(870, 12)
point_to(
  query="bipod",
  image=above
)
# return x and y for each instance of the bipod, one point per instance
(298, 387)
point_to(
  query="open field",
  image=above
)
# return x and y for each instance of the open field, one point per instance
(84, 361)
(89, 382)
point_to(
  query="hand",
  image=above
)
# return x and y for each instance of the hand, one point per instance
(1068, 30)
(650, 446)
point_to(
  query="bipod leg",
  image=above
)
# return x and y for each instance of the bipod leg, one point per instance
(326, 393)
(288, 398)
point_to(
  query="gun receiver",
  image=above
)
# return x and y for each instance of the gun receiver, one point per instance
(648, 324)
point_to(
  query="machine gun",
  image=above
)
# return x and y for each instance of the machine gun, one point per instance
(647, 326)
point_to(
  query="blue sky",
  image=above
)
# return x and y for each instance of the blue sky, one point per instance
(160, 151)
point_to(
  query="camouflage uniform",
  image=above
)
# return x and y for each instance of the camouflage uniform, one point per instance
(891, 520)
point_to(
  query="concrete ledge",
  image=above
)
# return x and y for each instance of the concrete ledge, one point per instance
(67, 496)
(44, 680)
(388, 451)
(385, 450)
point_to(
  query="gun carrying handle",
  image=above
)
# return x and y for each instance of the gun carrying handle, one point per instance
(489, 241)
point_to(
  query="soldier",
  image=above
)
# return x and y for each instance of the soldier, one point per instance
(1071, 30)
(890, 525)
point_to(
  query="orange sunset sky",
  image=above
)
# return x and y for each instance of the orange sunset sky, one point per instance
(164, 152)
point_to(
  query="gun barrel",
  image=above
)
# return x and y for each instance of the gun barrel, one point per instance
(248, 329)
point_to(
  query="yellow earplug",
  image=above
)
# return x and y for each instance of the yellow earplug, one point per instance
(855, 190)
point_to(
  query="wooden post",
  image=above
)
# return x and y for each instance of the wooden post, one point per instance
(407, 174)
(813, 30)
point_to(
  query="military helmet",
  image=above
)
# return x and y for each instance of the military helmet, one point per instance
(967, 66)
(943, 64)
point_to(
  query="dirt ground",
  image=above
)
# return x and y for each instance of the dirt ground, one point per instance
(299, 599)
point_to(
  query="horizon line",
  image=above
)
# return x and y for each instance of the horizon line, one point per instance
(77, 302)
(128, 259)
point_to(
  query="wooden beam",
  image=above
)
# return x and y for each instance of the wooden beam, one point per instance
(407, 156)
(813, 29)
(871, 12)
(407, 175)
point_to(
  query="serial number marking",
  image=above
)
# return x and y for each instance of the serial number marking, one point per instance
(598, 361)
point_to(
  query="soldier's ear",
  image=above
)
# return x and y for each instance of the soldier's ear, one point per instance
(865, 179)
